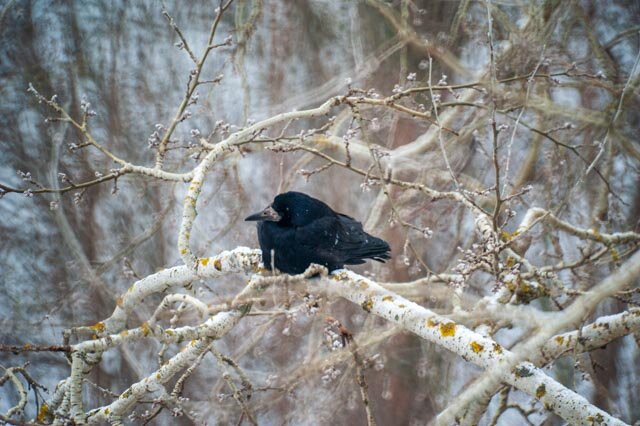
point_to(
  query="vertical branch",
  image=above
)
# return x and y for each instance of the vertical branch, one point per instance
(235, 392)
(517, 122)
(494, 125)
(362, 384)
(194, 81)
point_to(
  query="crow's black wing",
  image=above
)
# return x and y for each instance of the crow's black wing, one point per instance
(360, 245)
(340, 240)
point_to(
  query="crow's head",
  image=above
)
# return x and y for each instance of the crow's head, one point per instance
(293, 209)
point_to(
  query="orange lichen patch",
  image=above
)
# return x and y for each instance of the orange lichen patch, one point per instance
(497, 348)
(541, 391)
(124, 333)
(559, 339)
(615, 256)
(119, 301)
(204, 261)
(476, 347)
(98, 327)
(430, 322)
(367, 305)
(321, 140)
(146, 330)
(511, 262)
(596, 420)
(510, 285)
(217, 264)
(448, 329)
(339, 276)
(387, 298)
(43, 413)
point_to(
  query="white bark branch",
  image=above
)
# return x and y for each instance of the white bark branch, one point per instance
(504, 365)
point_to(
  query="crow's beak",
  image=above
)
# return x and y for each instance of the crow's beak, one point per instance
(267, 214)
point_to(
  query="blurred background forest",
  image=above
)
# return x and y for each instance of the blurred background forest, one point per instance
(65, 258)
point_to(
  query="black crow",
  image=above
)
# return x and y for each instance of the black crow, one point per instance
(301, 230)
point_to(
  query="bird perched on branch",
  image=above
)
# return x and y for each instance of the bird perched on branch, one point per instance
(299, 230)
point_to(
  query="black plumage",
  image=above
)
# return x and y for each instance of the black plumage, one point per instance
(300, 230)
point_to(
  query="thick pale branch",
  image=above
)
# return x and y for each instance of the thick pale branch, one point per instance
(536, 213)
(471, 346)
(595, 335)
(374, 299)
(531, 349)
(241, 259)
(219, 325)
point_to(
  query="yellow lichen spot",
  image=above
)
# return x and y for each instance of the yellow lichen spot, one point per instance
(367, 305)
(363, 285)
(169, 332)
(597, 419)
(193, 342)
(541, 391)
(43, 413)
(119, 301)
(124, 333)
(146, 330)
(402, 306)
(27, 346)
(559, 340)
(321, 140)
(107, 411)
(204, 261)
(183, 251)
(505, 236)
(98, 327)
(339, 276)
(158, 376)
(448, 329)
(476, 347)
(217, 264)
(387, 298)
(431, 322)
(615, 256)
(497, 348)
(511, 261)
